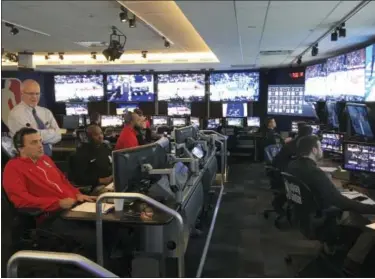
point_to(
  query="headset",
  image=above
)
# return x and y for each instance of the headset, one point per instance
(18, 136)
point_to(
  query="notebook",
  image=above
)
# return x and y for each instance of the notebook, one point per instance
(90, 207)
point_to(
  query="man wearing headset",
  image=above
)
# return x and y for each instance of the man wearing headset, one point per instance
(31, 180)
(130, 136)
(93, 160)
(29, 114)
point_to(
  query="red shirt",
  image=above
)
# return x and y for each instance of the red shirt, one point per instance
(127, 138)
(36, 185)
(148, 125)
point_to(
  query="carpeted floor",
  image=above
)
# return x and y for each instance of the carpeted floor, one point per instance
(244, 244)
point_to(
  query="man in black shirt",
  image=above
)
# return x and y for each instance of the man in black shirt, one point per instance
(93, 160)
(305, 168)
(289, 151)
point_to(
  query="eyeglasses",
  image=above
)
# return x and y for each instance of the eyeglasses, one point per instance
(36, 94)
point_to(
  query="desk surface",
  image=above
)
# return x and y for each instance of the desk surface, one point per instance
(130, 215)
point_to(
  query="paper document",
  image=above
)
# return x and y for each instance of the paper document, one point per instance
(371, 226)
(328, 169)
(368, 201)
(90, 207)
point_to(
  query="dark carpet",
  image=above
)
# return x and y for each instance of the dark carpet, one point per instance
(244, 244)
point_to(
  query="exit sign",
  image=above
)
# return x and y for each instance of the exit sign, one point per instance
(296, 75)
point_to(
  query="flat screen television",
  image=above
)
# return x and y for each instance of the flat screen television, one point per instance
(359, 157)
(234, 122)
(130, 88)
(234, 109)
(316, 83)
(180, 109)
(346, 77)
(370, 74)
(179, 122)
(234, 87)
(332, 116)
(78, 88)
(124, 108)
(195, 121)
(359, 119)
(159, 120)
(253, 121)
(289, 100)
(76, 109)
(213, 123)
(332, 142)
(181, 87)
(111, 121)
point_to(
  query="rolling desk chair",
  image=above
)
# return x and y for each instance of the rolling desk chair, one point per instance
(314, 222)
(270, 152)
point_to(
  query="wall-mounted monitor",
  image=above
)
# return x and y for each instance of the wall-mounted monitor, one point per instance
(234, 87)
(78, 88)
(130, 88)
(213, 123)
(158, 120)
(70, 122)
(180, 109)
(289, 100)
(316, 83)
(332, 142)
(111, 121)
(234, 122)
(124, 108)
(179, 122)
(346, 77)
(315, 128)
(370, 74)
(76, 109)
(253, 121)
(181, 87)
(294, 126)
(234, 109)
(195, 121)
(359, 119)
(359, 157)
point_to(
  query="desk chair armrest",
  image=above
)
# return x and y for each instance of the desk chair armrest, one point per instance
(32, 212)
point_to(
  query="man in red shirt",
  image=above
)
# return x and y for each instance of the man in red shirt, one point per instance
(128, 136)
(32, 180)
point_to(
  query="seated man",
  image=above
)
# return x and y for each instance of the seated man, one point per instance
(93, 160)
(289, 151)
(129, 136)
(306, 169)
(31, 180)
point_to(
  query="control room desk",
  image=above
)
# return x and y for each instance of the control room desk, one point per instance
(159, 217)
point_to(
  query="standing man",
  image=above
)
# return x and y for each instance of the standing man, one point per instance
(29, 114)
(129, 136)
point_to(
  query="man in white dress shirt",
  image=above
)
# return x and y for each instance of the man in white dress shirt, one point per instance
(29, 114)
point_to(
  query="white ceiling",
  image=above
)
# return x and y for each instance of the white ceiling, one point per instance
(236, 31)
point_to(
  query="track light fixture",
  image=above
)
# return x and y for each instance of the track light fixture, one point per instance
(61, 55)
(315, 50)
(132, 20)
(116, 47)
(93, 55)
(12, 57)
(47, 56)
(299, 60)
(124, 14)
(13, 30)
(144, 54)
(342, 30)
(334, 36)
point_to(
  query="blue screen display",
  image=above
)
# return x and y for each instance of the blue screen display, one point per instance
(370, 74)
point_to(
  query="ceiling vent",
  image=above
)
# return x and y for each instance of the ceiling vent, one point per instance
(275, 52)
(92, 44)
(243, 66)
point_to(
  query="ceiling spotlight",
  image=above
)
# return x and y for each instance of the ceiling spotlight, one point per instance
(299, 60)
(144, 54)
(46, 57)
(342, 32)
(132, 23)
(334, 36)
(93, 55)
(61, 55)
(123, 15)
(315, 50)
(166, 43)
(12, 57)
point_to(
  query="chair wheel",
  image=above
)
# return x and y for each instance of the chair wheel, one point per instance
(265, 215)
(288, 259)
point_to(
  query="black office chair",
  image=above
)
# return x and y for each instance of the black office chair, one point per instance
(314, 221)
(71, 174)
